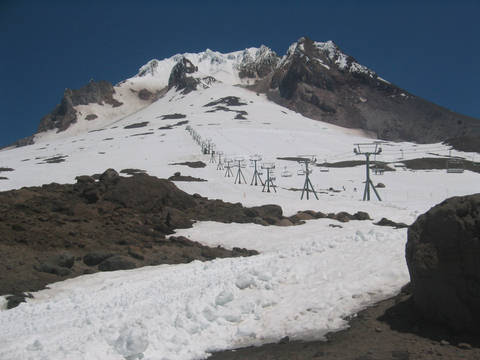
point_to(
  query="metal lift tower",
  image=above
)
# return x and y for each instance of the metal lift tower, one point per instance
(220, 161)
(270, 178)
(254, 159)
(375, 150)
(240, 165)
(228, 166)
(307, 185)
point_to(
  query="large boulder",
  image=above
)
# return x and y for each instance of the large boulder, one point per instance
(443, 258)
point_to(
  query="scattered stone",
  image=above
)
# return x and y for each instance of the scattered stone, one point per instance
(387, 222)
(130, 171)
(143, 134)
(444, 342)
(284, 340)
(116, 262)
(335, 226)
(178, 177)
(136, 253)
(173, 116)
(52, 269)
(17, 299)
(144, 94)
(2, 169)
(55, 159)
(361, 215)
(95, 258)
(136, 125)
(227, 100)
(170, 127)
(192, 164)
(65, 260)
(284, 222)
(91, 117)
(380, 185)
(110, 176)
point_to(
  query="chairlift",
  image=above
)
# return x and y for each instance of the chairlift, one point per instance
(286, 173)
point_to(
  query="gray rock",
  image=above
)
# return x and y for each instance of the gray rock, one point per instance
(50, 268)
(443, 258)
(116, 262)
(65, 260)
(95, 258)
(110, 176)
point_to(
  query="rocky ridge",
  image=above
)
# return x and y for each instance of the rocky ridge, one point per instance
(316, 79)
(321, 82)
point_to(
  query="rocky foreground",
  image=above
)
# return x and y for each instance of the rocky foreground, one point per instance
(107, 222)
(389, 330)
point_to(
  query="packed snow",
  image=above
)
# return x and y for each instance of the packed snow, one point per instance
(306, 280)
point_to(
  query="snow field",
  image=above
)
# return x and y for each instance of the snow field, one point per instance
(307, 278)
(301, 289)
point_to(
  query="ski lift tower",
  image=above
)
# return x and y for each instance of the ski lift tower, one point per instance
(307, 160)
(254, 159)
(209, 146)
(228, 167)
(220, 162)
(240, 164)
(212, 154)
(270, 178)
(368, 150)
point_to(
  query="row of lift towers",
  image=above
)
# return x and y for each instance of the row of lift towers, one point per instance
(306, 161)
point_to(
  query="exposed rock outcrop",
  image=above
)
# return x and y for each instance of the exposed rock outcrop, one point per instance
(263, 63)
(179, 79)
(65, 114)
(443, 258)
(321, 82)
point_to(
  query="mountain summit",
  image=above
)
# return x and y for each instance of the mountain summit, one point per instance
(315, 79)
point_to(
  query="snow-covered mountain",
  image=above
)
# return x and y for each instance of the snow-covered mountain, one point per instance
(306, 280)
(316, 79)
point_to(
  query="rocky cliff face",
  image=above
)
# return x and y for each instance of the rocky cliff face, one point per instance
(179, 79)
(64, 113)
(321, 82)
(258, 66)
(315, 79)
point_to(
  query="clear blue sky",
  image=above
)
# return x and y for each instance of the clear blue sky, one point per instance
(430, 48)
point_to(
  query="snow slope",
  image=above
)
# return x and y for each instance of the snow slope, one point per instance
(307, 278)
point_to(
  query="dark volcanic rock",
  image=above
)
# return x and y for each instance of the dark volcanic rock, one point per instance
(265, 62)
(388, 222)
(116, 262)
(321, 82)
(192, 164)
(51, 268)
(144, 94)
(95, 258)
(443, 258)
(136, 125)
(227, 101)
(64, 113)
(179, 79)
(174, 116)
(65, 260)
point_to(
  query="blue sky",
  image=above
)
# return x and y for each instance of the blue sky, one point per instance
(430, 48)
